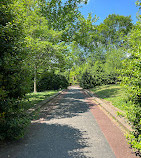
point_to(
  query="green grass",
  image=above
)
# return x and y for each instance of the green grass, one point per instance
(31, 99)
(113, 93)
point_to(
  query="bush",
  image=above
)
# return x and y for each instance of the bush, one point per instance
(86, 81)
(13, 120)
(96, 76)
(130, 79)
(51, 81)
(14, 76)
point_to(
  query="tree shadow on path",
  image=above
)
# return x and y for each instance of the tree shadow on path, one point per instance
(44, 140)
(47, 141)
(72, 103)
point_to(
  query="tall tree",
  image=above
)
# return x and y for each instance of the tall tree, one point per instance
(12, 52)
(43, 46)
(114, 28)
(14, 77)
(62, 15)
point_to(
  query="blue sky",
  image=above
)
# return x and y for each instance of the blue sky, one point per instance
(102, 8)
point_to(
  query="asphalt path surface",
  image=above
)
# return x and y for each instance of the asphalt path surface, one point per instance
(66, 128)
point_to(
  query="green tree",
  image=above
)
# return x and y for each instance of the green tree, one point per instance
(63, 16)
(31, 37)
(14, 77)
(45, 51)
(114, 28)
(86, 80)
(85, 32)
(130, 76)
(113, 62)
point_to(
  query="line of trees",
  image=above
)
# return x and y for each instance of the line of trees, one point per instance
(35, 36)
(110, 53)
(44, 40)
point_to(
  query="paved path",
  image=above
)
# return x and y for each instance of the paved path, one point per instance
(67, 128)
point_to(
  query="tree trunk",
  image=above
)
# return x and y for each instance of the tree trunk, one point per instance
(35, 79)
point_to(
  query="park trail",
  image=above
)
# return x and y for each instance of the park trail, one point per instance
(70, 126)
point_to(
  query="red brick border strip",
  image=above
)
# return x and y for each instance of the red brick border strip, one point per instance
(113, 134)
(110, 109)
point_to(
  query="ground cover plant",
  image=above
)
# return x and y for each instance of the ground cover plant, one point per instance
(115, 94)
(118, 96)
(32, 99)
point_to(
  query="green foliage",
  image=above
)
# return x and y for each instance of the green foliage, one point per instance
(52, 81)
(114, 28)
(134, 141)
(114, 93)
(85, 33)
(100, 47)
(98, 73)
(86, 80)
(63, 16)
(13, 75)
(113, 62)
(121, 114)
(31, 99)
(104, 67)
(14, 119)
(130, 72)
(73, 77)
(138, 3)
(130, 78)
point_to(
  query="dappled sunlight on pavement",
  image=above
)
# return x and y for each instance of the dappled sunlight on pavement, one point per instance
(65, 128)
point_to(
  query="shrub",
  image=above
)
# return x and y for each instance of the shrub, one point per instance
(52, 81)
(130, 79)
(14, 76)
(86, 81)
(13, 119)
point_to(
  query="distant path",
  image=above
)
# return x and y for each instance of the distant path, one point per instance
(67, 128)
